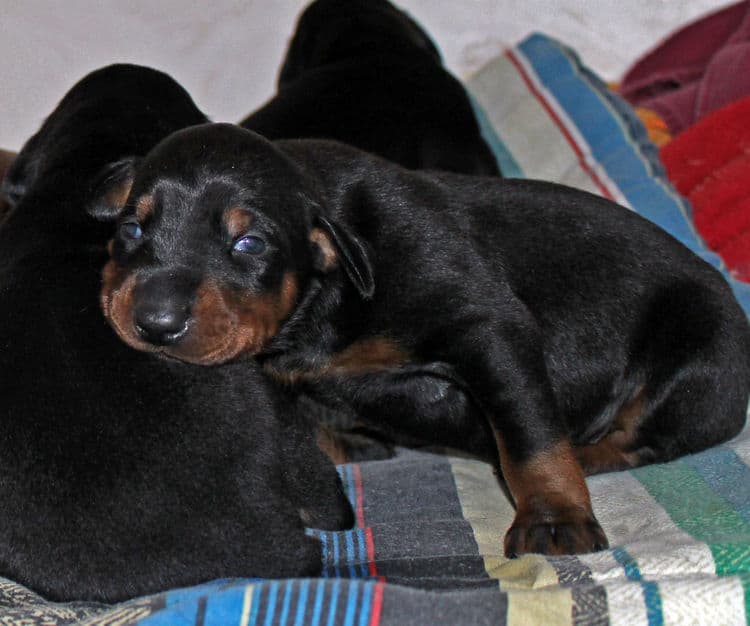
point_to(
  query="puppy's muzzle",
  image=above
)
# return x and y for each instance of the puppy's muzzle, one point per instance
(162, 308)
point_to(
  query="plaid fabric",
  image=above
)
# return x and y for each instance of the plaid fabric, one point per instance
(427, 547)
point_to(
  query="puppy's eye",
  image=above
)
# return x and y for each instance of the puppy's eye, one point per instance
(249, 245)
(131, 230)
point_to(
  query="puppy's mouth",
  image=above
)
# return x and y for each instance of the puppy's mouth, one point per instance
(223, 324)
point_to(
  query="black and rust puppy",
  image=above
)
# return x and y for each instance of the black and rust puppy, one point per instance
(586, 337)
(363, 72)
(123, 474)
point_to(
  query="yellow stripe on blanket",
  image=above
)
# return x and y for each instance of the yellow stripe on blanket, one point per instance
(489, 513)
(551, 607)
(247, 603)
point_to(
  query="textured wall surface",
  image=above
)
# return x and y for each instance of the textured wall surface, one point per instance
(226, 52)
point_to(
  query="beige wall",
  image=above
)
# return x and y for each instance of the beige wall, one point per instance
(226, 52)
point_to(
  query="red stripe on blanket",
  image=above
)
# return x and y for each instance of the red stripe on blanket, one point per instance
(560, 124)
(377, 605)
(370, 552)
(359, 509)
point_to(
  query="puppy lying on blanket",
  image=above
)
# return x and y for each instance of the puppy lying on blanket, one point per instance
(123, 474)
(587, 338)
(363, 72)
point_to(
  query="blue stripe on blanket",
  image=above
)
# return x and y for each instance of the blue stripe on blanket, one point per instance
(318, 606)
(344, 551)
(362, 553)
(351, 603)
(336, 556)
(617, 139)
(255, 608)
(304, 591)
(223, 607)
(727, 475)
(603, 132)
(364, 614)
(334, 600)
(184, 614)
(651, 595)
(273, 591)
(285, 603)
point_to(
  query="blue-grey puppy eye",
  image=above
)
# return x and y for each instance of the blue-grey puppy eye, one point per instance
(249, 245)
(131, 230)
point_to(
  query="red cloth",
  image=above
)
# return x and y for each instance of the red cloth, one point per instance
(698, 69)
(709, 164)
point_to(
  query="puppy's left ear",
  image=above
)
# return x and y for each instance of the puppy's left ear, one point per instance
(335, 244)
(111, 189)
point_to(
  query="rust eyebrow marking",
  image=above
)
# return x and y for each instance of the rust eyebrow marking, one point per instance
(144, 208)
(237, 220)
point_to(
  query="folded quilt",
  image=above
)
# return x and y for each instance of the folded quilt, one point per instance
(427, 547)
(700, 68)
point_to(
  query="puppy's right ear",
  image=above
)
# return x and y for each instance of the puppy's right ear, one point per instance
(111, 189)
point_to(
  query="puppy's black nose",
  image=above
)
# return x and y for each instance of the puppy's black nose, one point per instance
(163, 325)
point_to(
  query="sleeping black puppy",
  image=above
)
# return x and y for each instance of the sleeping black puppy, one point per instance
(587, 338)
(363, 72)
(123, 474)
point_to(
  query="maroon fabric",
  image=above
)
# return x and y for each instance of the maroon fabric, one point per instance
(698, 69)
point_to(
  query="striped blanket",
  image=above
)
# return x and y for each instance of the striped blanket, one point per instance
(427, 548)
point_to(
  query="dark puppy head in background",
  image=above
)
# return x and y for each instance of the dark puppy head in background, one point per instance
(363, 72)
(335, 31)
(207, 261)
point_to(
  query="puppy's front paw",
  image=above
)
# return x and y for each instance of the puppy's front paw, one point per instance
(566, 531)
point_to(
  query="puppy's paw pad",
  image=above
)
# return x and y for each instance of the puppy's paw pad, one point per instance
(555, 537)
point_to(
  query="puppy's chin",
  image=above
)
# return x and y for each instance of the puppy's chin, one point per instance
(232, 345)
(226, 352)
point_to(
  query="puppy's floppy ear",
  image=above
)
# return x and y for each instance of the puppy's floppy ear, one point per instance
(111, 188)
(337, 244)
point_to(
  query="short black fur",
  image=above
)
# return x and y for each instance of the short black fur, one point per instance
(584, 338)
(124, 474)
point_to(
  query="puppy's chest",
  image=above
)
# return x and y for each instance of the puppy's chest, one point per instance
(367, 355)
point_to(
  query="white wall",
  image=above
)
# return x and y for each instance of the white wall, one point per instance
(226, 52)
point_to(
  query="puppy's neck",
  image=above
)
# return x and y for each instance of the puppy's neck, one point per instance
(311, 335)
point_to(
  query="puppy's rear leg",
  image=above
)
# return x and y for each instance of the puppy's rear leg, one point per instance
(617, 449)
(695, 359)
